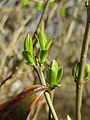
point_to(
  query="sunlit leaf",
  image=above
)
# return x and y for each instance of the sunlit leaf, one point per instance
(27, 56)
(54, 67)
(42, 39)
(43, 55)
(48, 44)
(87, 72)
(28, 45)
(60, 74)
(75, 70)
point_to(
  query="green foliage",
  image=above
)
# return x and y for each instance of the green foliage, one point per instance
(28, 50)
(24, 2)
(75, 70)
(43, 55)
(54, 75)
(48, 44)
(42, 40)
(62, 12)
(38, 6)
(27, 56)
(28, 45)
(44, 45)
(87, 72)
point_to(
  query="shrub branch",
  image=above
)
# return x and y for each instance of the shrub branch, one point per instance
(80, 81)
(47, 96)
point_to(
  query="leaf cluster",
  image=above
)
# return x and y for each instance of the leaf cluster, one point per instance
(75, 71)
(44, 44)
(54, 74)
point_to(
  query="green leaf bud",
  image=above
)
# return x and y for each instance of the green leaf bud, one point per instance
(54, 67)
(43, 56)
(28, 45)
(87, 72)
(75, 71)
(27, 56)
(42, 40)
(48, 44)
(60, 74)
(54, 75)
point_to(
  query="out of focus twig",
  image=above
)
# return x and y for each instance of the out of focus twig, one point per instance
(72, 23)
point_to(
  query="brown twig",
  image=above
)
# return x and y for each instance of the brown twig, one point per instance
(80, 81)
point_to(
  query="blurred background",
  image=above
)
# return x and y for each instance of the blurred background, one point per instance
(65, 20)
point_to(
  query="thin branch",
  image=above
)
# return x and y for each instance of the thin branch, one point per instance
(80, 81)
(47, 96)
(15, 72)
(41, 20)
(72, 23)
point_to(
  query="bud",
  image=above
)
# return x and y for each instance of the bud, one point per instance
(44, 45)
(87, 72)
(43, 56)
(75, 71)
(54, 74)
(42, 40)
(28, 50)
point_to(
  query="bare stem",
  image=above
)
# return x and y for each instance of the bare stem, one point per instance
(80, 81)
(50, 117)
(41, 19)
(47, 96)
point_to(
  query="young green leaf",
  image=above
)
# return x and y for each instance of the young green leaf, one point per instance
(60, 74)
(38, 6)
(43, 56)
(75, 70)
(18, 107)
(87, 72)
(42, 40)
(53, 74)
(54, 67)
(51, 78)
(48, 44)
(27, 56)
(28, 45)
